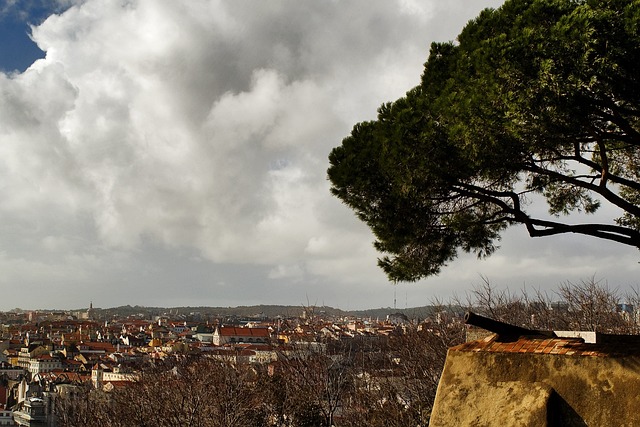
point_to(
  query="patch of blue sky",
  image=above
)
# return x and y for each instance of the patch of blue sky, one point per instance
(17, 50)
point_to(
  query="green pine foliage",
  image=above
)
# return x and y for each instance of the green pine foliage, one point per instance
(538, 98)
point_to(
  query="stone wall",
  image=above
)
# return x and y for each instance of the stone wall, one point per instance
(539, 382)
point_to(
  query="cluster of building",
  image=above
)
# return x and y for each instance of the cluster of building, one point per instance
(45, 354)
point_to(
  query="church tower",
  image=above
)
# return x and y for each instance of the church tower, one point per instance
(90, 311)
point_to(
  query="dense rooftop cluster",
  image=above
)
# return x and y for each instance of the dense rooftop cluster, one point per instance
(320, 367)
(44, 354)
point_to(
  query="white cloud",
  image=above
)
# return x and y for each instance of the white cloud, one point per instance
(414, 7)
(163, 142)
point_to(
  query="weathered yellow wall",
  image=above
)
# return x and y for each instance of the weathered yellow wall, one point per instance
(511, 389)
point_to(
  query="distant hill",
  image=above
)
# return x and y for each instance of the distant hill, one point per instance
(418, 313)
(259, 311)
(254, 311)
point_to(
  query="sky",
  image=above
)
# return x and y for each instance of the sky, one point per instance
(174, 153)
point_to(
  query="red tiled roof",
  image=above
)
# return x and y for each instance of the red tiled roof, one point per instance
(231, 331)
(559, 346)
(93, 345)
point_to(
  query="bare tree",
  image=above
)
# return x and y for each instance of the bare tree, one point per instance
(192, 392)
(592, 306)
(318, 383)
(630, 310)
(79, 405)
(398, 389)
(589, 305)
